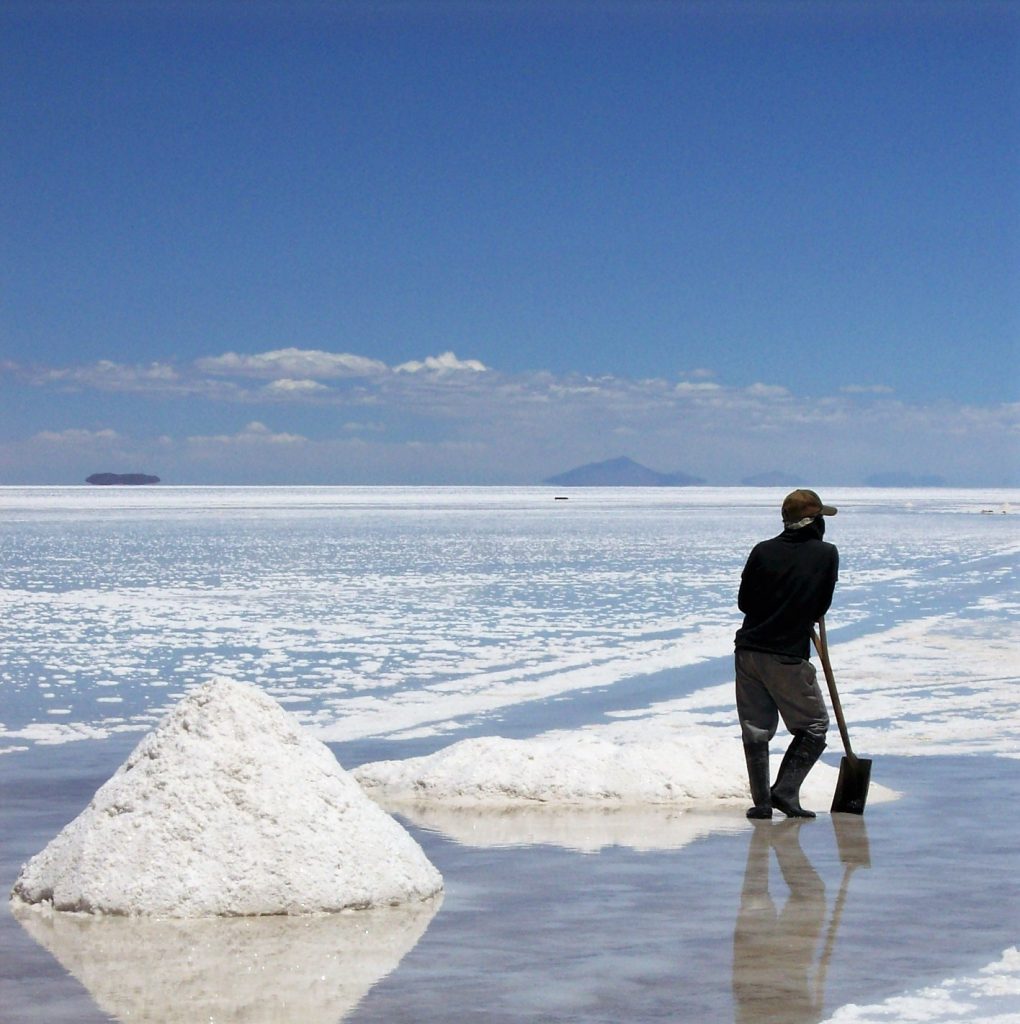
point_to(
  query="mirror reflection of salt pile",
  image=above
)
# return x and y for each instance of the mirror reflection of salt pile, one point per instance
(644, 785)
(232, 970)
(581, 829)
(227, 808)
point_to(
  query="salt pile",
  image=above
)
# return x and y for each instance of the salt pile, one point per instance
(565, 768)
(227, 808)
(692, 768)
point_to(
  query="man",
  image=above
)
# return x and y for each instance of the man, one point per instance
(785, 588)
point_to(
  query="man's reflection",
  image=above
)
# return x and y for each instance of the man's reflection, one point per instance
(774, 974)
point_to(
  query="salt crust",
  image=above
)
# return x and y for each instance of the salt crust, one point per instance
(227, 808)
(987, 998)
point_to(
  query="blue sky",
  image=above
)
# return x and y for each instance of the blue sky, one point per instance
(484, 242)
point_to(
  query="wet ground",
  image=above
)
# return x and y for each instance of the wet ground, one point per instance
(777, 922)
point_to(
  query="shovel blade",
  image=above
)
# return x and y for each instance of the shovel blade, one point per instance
(852, 786)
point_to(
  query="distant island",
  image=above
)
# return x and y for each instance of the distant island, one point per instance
(108, 479)
(622, 472)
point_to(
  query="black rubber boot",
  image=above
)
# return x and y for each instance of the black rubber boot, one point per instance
(798, 760)
(757, 757)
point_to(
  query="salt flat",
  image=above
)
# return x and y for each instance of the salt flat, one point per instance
(393, 622)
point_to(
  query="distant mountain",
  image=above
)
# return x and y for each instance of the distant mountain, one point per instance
(903, 480)
(622, 472)
(772, 478)
(108, 479)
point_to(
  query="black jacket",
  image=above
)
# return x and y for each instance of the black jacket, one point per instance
(785, 588)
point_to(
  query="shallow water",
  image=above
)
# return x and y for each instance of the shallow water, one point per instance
(781, 921)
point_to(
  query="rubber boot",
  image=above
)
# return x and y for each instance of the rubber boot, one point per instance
(757, 757)
(798, 760)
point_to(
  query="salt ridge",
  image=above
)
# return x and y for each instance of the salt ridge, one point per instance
(594, 767)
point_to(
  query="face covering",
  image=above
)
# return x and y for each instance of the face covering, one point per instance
(813, 526)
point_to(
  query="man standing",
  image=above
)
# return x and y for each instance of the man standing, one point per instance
(785, 588)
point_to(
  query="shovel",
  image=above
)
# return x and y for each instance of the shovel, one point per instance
(854, 772)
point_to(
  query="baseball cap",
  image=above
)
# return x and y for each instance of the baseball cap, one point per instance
(804, 504)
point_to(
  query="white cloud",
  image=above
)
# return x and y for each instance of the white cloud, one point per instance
(254, 433)
(767, 391)
(356, 427)
(866, 389)
(525, 427)
(445, 363)
(292, 363)
(75, 436)
(285, 387)
(110, 376)
(568, 390)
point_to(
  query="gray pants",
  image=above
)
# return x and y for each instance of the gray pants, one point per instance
(770, 685)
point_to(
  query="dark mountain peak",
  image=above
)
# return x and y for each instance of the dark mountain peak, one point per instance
(620, 472)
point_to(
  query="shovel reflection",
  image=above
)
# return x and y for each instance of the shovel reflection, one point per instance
(775, 976)
(256, 970)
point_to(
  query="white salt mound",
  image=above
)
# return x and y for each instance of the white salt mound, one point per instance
(585, 769)
(227, 808)
(579, 768)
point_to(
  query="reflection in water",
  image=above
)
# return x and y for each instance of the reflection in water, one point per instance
(584, 829)
(256, 970)
(775, 978)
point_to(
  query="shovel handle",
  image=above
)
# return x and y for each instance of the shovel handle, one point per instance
(823, 654)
